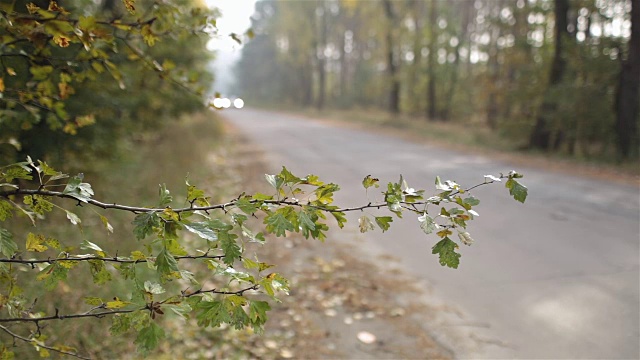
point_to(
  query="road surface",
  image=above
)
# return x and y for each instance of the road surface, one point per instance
(557, 277)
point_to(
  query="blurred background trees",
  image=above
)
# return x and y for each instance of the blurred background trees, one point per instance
(555, 76)
(67, 65)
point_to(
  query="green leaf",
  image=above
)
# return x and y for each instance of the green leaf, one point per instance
(446, 249)
(52, 274)
(232, 251)
(370, 181)
(288, 178)
(195, 195)
(212, 313)
(384, 222)
(79, 190)
(16, 172)
(517, 190)
(202, 229)
(153, 288)
(99, 272)
(7, 246)
(274, 181)
(261, 197)
(426, 223)
(306, 222)
(144, 224)
(245, 204)
(259, 237)
(166, 264)
(92, 300)
(340, 218)
(165, 196)
(5, 210)
(258, 314)
(472, 201)
(73, 218)
(38, 203)
(277, 223)
(88, 245)
(324, 194)
(149, 337)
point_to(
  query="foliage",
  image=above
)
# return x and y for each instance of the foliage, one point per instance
(236, 289)
(471, 62)
(74, 78)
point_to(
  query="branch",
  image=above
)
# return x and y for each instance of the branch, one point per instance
(102, 314)
(223, 206)
(41, 344)
(57, 316)
(214, 291)
(99, 258)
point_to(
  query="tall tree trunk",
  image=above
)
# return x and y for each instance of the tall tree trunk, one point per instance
(466, 14)
(628, 94)
(394, 82)
(321, 12)
(431, 69)
(541, 135)
(414, 94)
(494, 74)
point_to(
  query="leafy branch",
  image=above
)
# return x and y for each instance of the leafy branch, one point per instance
(217, 243)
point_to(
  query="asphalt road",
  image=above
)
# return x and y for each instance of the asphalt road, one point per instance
(557, 277)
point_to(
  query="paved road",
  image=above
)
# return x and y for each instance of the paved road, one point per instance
(557, 277)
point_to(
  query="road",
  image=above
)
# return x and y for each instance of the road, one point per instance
(557, 277)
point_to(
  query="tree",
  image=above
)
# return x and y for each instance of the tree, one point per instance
(628, 92)
(541, 135)
(391, 62)
(431, 64)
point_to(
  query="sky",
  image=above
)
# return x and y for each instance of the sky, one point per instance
(235, 18)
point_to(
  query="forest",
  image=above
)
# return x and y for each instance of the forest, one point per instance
(554, 76)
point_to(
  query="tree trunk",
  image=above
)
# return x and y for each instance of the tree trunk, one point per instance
(394, 82)
(322, 62)
(431, 90)
(414, 95)
(628, 94)
(541, 135)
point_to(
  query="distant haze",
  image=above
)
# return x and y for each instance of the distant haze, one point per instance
(235, 18)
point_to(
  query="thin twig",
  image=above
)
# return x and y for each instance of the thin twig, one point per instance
(41, 344)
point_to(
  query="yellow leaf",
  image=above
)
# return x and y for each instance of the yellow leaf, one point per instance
(53, 6)
(1, 84)
(65, 90)
(137, 255)
(444, 233)
(32, 8)
(67, 264)
(11, 72)
(171, 215)
(34, 243)
(70, 129)
(130, 5)
(116, 304)
(61, 41)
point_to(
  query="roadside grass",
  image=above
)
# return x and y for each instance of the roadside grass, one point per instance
(193, 147)
(476, 137)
